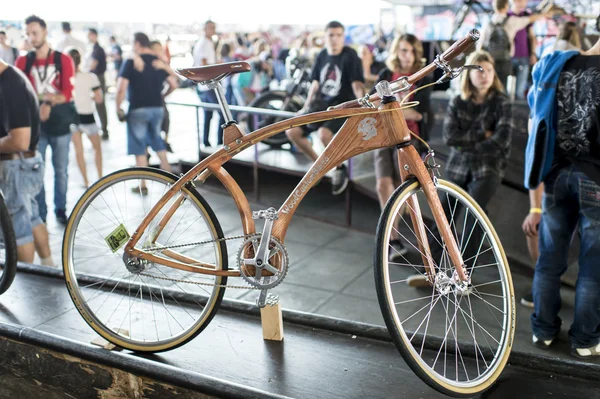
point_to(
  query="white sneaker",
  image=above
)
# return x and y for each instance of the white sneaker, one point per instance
(339, 180)
(585, 353)
(417, 281)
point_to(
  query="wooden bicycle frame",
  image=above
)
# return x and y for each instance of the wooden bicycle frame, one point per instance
(365, 129)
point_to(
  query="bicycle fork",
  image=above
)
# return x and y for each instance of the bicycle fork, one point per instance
(411, 165)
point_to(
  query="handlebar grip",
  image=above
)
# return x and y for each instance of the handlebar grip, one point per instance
(460, 45)
(451, 53)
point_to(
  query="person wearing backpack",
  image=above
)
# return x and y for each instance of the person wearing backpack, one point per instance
(51, 73)
(8, 53)
(497, 37)
(563, 153)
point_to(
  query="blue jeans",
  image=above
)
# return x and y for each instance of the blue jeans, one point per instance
(521, 71)
(20, 181)
(60, 161)
(209, 96)
(570, 199)
(143, 130)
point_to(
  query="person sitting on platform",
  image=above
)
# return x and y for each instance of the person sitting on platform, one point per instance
(337, 76)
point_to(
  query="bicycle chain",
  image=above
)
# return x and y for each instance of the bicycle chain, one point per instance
(156, 249)
(241, 287)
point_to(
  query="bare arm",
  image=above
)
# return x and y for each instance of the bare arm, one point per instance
(94, 64)
(98, 95)
(411, 114)
(535, 196)
(358, 88)
(17, 140)
(160, 64)
(55, 99)
(312, 92)
(532, 45)
(369, 77)
(533, 218)
(173, 84)
(122, 84)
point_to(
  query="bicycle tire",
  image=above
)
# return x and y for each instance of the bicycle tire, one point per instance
(114, 335)
(389, 306)
(263, 101)
(9, 270)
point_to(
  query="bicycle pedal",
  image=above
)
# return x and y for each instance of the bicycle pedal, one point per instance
(268, 214)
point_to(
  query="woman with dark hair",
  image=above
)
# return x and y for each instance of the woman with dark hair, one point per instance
(406, 57)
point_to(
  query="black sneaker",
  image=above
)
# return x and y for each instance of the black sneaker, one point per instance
(527, 300)
(61, 217)
(542, 343)
(586, 353)
(396, 251)
(339, 180)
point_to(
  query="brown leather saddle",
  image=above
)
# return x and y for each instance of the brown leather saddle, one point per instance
(215, 72)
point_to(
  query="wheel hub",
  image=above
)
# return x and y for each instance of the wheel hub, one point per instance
(445, 284)
(133, 264)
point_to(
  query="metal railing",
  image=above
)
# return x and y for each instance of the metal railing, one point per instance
(256, 163)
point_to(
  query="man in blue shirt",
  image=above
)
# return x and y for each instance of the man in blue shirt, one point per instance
(144, 92)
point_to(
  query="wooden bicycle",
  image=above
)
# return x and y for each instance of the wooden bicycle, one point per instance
(141, 240)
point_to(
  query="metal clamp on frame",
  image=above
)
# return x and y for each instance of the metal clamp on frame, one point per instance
(364, 102)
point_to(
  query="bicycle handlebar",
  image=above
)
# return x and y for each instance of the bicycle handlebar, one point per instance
(402, 83)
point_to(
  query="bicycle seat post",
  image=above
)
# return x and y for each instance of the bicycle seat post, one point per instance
(219, 91)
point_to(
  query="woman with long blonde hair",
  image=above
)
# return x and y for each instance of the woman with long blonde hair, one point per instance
(406, 57)
(568, 38)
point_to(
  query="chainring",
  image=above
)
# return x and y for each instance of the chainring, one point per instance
(278, 254)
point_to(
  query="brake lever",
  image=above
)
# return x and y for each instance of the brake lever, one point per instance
(452, 73)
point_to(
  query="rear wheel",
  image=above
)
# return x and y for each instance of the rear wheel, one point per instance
(273, 100)
(455, 337)
(131, 302)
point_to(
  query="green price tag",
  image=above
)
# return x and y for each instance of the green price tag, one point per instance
(117, 238)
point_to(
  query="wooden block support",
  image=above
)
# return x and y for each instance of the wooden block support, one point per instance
(272, 322)
(101, 342)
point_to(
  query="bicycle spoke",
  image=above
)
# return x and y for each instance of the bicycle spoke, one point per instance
(146, 297)
(461, 330)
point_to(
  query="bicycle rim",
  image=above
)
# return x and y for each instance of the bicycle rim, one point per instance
(119, 300)
(457, 341)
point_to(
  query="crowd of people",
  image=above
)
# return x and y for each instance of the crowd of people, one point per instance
(56, 92)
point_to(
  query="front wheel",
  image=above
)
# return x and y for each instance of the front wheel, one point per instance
(134, 303)
(455, 337)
